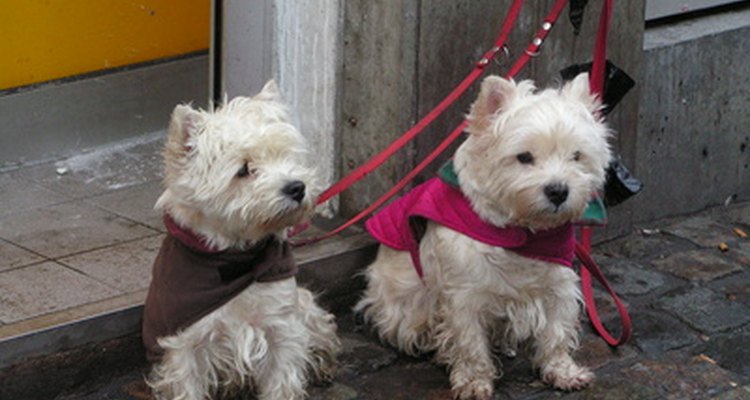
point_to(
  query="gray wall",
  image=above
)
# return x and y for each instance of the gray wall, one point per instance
(298, 44)
(694, 133)
(378, 93)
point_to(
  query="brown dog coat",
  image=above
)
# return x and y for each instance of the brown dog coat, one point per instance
(190, 280)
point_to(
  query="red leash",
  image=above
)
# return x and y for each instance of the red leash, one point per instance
(532, 50)
(589, 267)
(364, 169)
(380, 158)
(583, 249)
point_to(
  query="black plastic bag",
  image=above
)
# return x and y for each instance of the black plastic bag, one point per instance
(620, 184)
(575, 14)
(616, 83)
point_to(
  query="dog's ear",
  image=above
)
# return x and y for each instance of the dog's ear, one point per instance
(495, 94)
(270, 92)
(184, 126)
(578, 89)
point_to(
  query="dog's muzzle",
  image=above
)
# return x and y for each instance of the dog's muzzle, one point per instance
(294, 190)
(556, 193)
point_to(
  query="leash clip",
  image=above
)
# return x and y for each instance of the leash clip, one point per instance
(537, 43)
(504, 48)
(506, 53)
(493, 51)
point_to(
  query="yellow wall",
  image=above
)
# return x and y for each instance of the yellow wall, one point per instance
(41, 40)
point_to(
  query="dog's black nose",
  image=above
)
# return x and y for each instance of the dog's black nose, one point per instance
(295, 190)
(557, 193)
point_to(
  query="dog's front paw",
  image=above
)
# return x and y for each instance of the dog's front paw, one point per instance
(476, 389)
(324, 368)
(567, 375)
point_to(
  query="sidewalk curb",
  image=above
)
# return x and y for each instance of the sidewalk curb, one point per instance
(329, 268)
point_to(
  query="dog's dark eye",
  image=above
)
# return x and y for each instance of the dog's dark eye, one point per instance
(577, 156)
(244, 171)
(525, 158)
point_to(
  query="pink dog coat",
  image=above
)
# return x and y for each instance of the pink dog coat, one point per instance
(436, 200)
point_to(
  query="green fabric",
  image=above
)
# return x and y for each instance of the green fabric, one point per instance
(448, 174)
(595, 214)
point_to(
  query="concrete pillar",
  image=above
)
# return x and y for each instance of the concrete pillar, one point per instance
(242, 47)
(298, 44)
(307, 60)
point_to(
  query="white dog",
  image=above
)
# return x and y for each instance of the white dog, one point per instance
(224, 313)
(498, 242)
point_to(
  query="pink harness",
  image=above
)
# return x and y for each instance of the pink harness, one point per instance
(440, 202)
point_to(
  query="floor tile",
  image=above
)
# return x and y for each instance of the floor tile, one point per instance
(630, 278)
(136, 203)
(739, 214)
(17, 195)
(731, 351)
(129, 163)
(679, 378)
(68, 228)
(12, 256)
(698, 265)
(658, 332)
(126, 266)
(43, 288)
(702, 231)
(706, 310)
(638, 245)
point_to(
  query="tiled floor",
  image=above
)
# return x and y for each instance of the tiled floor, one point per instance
(79, 231)
(43, 288)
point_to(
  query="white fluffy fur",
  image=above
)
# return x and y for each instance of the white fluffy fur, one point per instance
(272, 336)
(205, 150)
(476, 298)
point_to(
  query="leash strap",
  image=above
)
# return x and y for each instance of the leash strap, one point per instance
(596, 79)
(532, 50)
(376, 161)
(589, 269)
(361, 171)
(583, 248)
(598, 68)
(394, 190)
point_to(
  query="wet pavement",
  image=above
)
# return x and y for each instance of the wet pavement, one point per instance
(690, 304)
